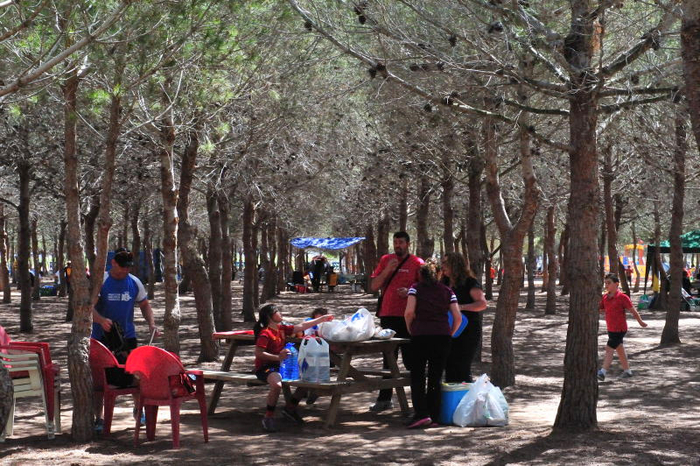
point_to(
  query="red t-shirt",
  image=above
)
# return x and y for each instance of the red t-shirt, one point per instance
(615, 307)
(272, 341)
(406, 275)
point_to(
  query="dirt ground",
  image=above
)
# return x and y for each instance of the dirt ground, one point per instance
(652, 418)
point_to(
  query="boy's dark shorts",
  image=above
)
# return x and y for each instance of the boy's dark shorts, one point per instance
(615, 339)
(266, 370)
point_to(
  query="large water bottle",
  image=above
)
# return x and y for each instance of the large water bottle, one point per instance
(289, 368)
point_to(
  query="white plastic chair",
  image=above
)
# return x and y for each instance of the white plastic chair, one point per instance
(30, 383)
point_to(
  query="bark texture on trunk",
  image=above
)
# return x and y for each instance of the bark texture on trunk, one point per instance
(424, 244)
(36, 295)
(690, 51)
(553, 265)
(249, 269)
(511, 252)
(171, 316)
(193, 264)
(79, 339)
(577, 408)
(670, 334)
(23, 249)
(4, 271)
(531, 262)
(448, 187)
(226, 263)
(214, 257)
(104, 220)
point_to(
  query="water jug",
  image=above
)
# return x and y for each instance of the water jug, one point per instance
(314, 360)
(289, 368)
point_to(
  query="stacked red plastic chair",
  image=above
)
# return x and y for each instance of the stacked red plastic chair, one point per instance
(101, 358)
(50, 376)
(157, 371)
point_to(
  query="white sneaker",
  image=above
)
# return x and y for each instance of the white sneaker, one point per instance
(626, 374)
(601, 375)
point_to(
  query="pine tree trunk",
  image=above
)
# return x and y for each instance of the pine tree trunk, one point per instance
(403, 205)
(4, 271)
(577, 408)
(383, 234)
(36, 289)
(226, 263)
(25, 283)
(553, 266)
(475, 237)
(690, 51)
(148, 247)
(214, 262)
(192, 263)
(670, 335)
(634, 259)
(448, 186)
(424, 244)
(136, 239)
(370, 251)
(563, 257)
(531, 264)
(171, 316)
(104, 219)
(249, 271)
(89, 226)
(79, 339)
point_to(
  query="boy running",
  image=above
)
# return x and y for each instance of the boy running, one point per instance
(614, 304)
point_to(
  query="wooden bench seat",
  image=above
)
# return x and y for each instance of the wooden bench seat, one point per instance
(233, 377)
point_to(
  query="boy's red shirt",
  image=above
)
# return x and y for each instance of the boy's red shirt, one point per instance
(615, 307)
(272, 341)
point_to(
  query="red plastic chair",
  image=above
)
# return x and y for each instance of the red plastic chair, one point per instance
(155, 368)
(51, 375)
(101, 358)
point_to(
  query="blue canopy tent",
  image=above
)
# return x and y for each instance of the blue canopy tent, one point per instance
(325, 243)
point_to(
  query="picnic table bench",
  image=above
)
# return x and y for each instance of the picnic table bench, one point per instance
(349, 379)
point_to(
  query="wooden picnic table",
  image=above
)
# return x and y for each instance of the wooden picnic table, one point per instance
(349, 378)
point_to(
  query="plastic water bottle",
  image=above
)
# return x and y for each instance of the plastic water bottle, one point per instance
(289, 368)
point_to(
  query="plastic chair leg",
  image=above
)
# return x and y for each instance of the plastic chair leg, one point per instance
(151, 419)
(175, 422)
(137, 429)
(109, 400)
(203, 413)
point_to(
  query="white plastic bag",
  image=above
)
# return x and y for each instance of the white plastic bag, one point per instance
(384, 333)
(358, 327)
(314, 360)
(483, 405)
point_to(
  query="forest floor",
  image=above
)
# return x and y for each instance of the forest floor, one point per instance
(651, 418)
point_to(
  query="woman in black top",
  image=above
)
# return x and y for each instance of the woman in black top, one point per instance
(470, 296)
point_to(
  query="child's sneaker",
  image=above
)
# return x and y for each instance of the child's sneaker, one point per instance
(601, 375)
(99, 426)
(142, 419)
(292, 415)
(626, 374)
(268, 424)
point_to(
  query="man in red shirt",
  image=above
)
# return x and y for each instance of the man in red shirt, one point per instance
(394, 276)
(614, 304)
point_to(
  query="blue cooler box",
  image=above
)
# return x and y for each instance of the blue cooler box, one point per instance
(452, 394)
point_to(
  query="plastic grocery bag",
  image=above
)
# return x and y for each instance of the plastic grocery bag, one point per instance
(358, 327)
(314, 360)
(483, 405)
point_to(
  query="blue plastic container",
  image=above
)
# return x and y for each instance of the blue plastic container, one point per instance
(289, 368)
(462, 325)
(452, 394)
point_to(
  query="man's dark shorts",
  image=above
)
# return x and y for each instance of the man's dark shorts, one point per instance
(116, 375)
(615, 339)
(265, 371)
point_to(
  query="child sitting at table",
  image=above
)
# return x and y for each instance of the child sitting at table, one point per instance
(270, 336)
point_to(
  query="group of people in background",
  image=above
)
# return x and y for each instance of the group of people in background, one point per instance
(416, 299)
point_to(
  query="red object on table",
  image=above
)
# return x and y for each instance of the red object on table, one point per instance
(155, 368)
(220, 335)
